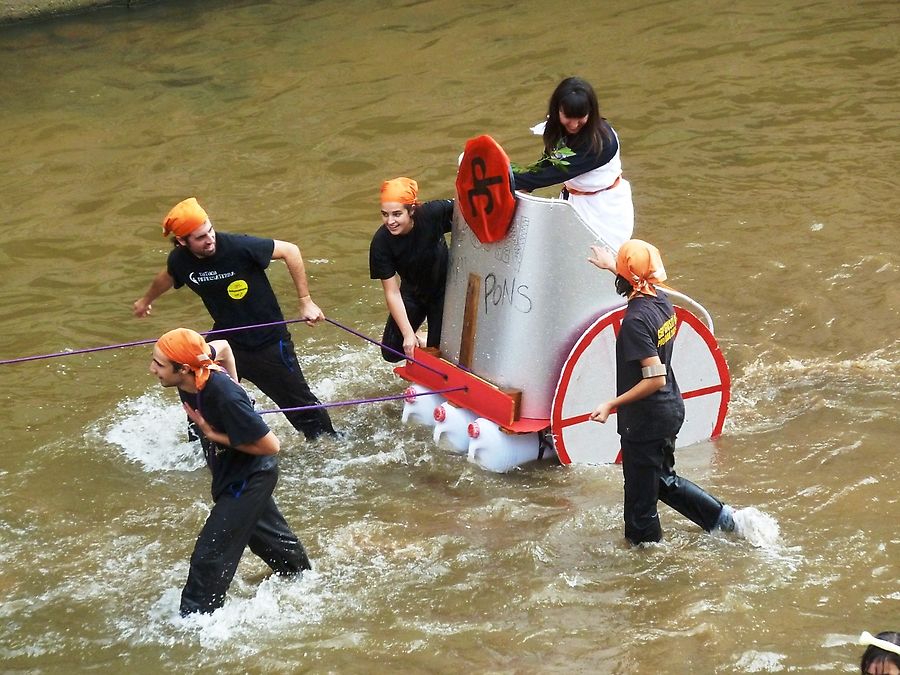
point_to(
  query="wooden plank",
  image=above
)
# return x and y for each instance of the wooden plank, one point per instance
(470, 321)
(501, 406)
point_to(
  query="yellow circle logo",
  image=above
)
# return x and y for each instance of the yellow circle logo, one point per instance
(237, 289)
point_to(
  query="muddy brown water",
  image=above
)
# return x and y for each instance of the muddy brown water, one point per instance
(761, 142)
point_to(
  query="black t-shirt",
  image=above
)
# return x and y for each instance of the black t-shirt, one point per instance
(234, 287)
(228, 409)
(420, 256)
(648, 329)
(546, 173)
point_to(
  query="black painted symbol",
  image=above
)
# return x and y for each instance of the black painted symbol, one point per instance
(481, 184)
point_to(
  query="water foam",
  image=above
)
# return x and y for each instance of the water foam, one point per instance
(823, 381)
(759, 529)
(152, 431)
(280, 604)
(761, 662)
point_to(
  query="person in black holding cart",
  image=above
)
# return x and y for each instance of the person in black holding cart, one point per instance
(410, 246)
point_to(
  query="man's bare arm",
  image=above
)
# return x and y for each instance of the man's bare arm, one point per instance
(290, 254)
(161, 283)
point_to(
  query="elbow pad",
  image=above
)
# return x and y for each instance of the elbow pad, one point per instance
(655, 370)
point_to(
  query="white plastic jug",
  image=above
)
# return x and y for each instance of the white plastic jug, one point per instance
(420, 408)
(452, 423)
(495, 450)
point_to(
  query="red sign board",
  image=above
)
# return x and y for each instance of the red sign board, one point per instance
(485, 189)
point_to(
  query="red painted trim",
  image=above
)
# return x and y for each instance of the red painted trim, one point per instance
(527, 425)
(557, 423)
(721, 368)
(614, 319)
(578, 419)
(480, 396)
(701, 392)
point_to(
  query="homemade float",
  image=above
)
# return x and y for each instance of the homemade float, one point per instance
(529, 332)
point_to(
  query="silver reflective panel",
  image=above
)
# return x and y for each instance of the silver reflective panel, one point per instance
(537, 293)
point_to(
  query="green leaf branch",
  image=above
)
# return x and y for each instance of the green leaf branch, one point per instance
(557, 159)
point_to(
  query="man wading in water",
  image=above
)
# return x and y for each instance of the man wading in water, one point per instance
(228, 272)
(240, 452)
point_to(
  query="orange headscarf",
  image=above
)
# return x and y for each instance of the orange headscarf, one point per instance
(641, 265)
(186, 346)
(185, 217)
(403, 190)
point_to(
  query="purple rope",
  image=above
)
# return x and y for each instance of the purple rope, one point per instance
(22, 359)
(335, 404)
(89, 350)
(384, 346)
(360, 401)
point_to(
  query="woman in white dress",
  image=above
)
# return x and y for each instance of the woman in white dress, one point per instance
(581, 150)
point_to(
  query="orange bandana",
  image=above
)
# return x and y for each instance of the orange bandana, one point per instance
(186, 346)
(641, 265)
(184, 218)
(402, 190)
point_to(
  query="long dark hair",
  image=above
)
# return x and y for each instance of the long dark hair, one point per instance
(878, 656)
(576, 98)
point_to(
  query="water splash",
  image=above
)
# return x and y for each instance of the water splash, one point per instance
(759, 529)
(799, 385)
(761, 662)
(278, 603)
(152, 432)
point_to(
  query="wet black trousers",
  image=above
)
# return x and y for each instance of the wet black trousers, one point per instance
(418, 311)
(244, 515)
(649, 469)
(276, 371)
